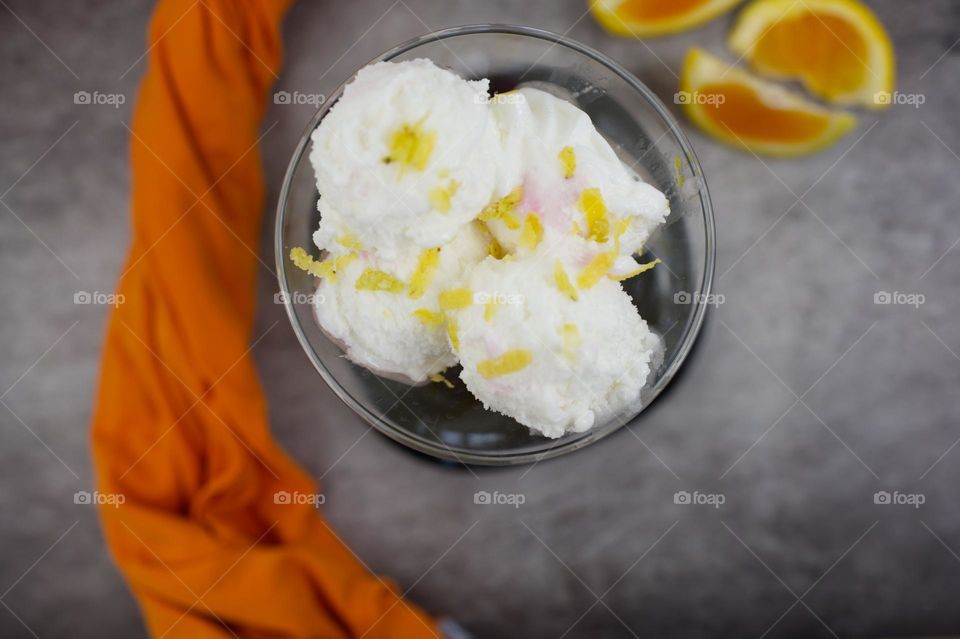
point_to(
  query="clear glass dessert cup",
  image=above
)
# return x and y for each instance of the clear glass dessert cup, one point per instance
(450, 423)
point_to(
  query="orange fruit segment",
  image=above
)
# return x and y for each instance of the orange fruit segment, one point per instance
(744, 111)
(647, 18)
(837, 48)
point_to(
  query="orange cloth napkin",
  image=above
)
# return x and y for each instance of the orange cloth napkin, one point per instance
(180, 426)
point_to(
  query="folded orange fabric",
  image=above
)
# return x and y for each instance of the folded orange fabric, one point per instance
(180, 426)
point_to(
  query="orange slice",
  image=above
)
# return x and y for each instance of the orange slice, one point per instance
(646, 18)
(837, 48)
(739, 109)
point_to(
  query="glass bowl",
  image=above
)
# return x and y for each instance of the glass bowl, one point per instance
(450, 423)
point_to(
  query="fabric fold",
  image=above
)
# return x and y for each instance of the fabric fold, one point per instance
(180, 424)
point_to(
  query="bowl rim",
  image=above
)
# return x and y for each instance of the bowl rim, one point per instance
(442, 450)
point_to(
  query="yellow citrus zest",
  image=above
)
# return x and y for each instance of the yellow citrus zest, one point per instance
(411, 147)
(441, 196)
(453, 334)
(430, 319)
(348, 240)
(496, 250)
(568, 159)
(643, 268)
(376, 280)
(504, 208)
(423, 274)
(440, 379)
(594, 211)
(563, 282)
(596, 269)
(456, 298)
(532, 232)
(511, 361)
(304, 261)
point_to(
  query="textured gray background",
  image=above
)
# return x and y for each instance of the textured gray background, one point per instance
(878, 213)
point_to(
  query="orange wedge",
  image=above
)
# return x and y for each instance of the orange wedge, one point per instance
(837, 48)
(739, 109)
(648, 18)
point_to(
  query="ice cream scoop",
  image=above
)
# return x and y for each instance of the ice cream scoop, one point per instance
(554, 356)
(407, 155)
(558, 173)
(385, 312)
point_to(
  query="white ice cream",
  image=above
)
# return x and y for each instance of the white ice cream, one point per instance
(397, 330)
(549, 362)
(553, 154)
(407, 155)
(413, 165)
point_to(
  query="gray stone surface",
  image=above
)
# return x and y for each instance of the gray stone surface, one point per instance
(881, 412)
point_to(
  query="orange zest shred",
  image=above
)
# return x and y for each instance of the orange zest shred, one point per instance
(511, 361)
(430, 319)
(423, 274)
(643, 268)
(376, 280)
(596, 269)
(532, 232)
(594, 211)
(411, 147)
(440, 379)
(440, 197)
(503, 209)
(568, 159)
(456, 298)
(453, 334)
(563, 283)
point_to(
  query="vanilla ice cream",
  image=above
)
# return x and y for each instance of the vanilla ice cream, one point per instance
(551, 362)
(493, 233)
(560, 174)
(408, 154)
(385, 312)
